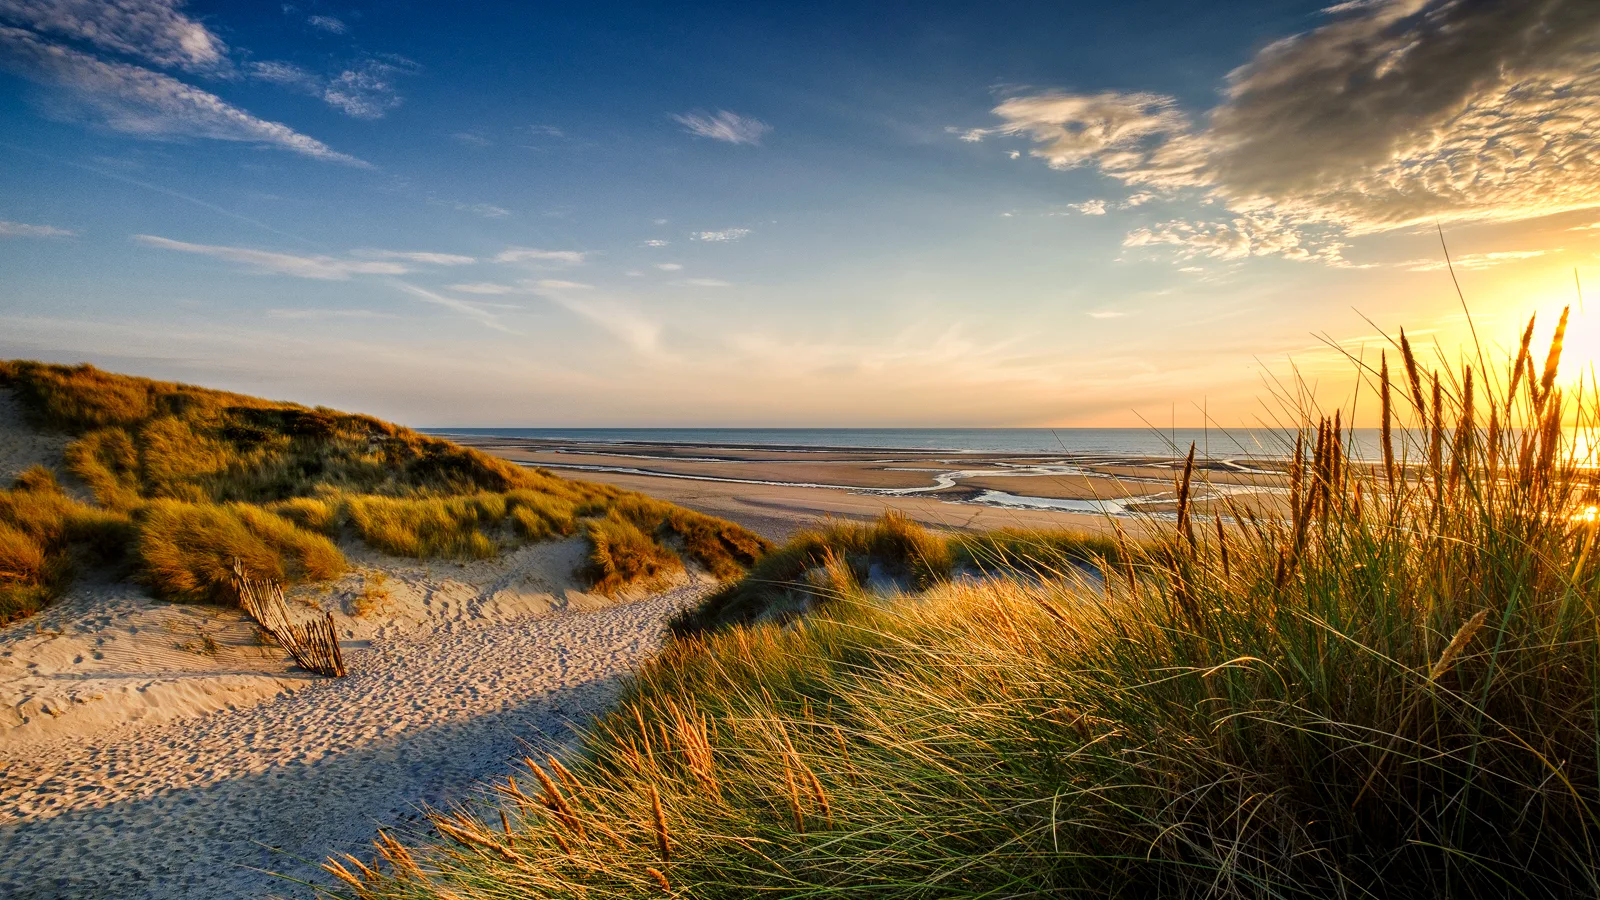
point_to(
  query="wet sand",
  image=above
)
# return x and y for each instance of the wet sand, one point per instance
(776, 491)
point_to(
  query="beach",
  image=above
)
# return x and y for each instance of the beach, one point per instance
(777, 490)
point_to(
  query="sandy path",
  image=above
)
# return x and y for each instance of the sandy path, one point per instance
(193, 807)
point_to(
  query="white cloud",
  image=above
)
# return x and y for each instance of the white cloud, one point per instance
(21, 229)
(416, 256)
(655, 243)
(328, 23)
(285, 75)
(471, 139)
(367, 91)
(1137, 138)
(1592, 226)
(724, 126)
(487, 288)
(1474, 260)
(156, 31)
(1390, 114)
(1106, 314)
(727, 234)
(546, 131)
(556, 284)
(620, 320)
(320, 267)
(1090, 207)
(1242, 237)
(529, 254)
(464, 307)
(144, 103)
(707, 282)
(670, 267)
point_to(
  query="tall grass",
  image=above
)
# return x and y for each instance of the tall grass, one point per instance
(186, 479)
(1391, 691)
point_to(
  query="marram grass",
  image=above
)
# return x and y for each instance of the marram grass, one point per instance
(185, 480)
(1391, 691)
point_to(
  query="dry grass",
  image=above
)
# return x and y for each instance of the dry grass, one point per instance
(186, 550)
(187, 478)
(1393, 691)
(818, 566)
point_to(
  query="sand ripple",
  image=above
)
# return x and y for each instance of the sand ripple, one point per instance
(198, 807)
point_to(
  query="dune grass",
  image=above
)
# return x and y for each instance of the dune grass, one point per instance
(1392, 691)
(187, 479)
(820, 565)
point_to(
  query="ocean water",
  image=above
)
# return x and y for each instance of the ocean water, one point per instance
(1113, 443)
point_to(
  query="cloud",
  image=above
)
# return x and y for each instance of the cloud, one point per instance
(471, 139)
(364, 90)
(144, 103)
(1105, 314)
(416, 256)
(1136, 138)
(618, 319)
(155, 31)
(328, 23)
(1390, 114)
(367, 91)
(323, 268)
(528, 254)
(554, 284)
(464, 307)
(1473, 261)
(20, 229)
(707, 282)
(487, 288)
(284, 74)
(670, 267)
(724, 126)
(546, 131)
(1242, 237)
(1090, 207)
(727, 234)
(655, 243)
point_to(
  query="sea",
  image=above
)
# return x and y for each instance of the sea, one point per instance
(1116, 443)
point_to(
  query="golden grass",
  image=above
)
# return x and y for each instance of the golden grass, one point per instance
(1391, 691)
(624, 555)
(186, 550)
(820, 565)
(187, 478)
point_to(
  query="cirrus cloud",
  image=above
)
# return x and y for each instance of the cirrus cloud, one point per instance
(724, 126)
(156, 31)
(22, 229)
(144, 103)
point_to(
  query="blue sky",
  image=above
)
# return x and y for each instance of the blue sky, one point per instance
(820, 214)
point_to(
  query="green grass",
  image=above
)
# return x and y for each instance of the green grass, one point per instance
(186, 479)
(1392, 691)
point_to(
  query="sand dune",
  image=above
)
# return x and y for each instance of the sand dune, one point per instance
(196, 806)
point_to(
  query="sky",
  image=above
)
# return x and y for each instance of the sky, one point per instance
(824, 214)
